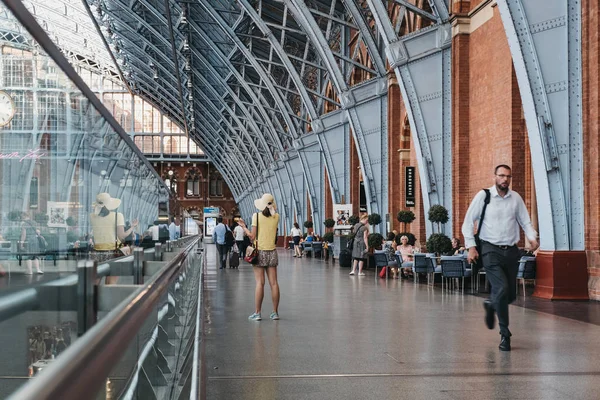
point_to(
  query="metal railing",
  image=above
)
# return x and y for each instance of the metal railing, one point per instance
(81, 371)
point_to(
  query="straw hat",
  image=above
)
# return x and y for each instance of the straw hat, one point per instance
(104, 200)
(266, 200)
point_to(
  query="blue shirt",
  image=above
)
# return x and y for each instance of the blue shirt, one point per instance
(219, 233)
(310, 238)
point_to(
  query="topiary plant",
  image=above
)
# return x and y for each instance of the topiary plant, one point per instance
(439, 243)
(15, 215)
(353, 220)
(41, 218)
(308, 224)
(329, 223)
(412, 239)
(72, 236)
(405, 217)
(71, 221)
(438, 215)
(328, 237)
(374, 219)
(375, 241)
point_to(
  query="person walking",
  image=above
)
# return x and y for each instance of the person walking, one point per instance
(361, 244)
(238, 232)
(296, 235)
(264, 229)
(499, 235)
(219, 239)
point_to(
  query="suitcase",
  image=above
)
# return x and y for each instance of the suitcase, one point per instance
(345, 259)
(234, 260)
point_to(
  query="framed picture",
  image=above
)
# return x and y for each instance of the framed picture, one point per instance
(341, 214)
(57, 214)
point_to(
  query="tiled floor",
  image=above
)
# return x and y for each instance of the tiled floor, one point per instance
(343, 337)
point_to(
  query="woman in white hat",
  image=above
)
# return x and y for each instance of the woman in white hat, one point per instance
(109, 231)
(265, 223)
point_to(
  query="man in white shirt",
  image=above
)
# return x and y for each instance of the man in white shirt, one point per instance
(238, 232)
(499, 253)
(172, 229)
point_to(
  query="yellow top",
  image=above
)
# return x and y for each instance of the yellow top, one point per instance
(267, 230)
(105, 231)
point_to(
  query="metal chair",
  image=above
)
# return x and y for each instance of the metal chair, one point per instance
(454, 267)
(317, 247)
(307, 248)
(381, 260)
(424, 264)
(526, 271)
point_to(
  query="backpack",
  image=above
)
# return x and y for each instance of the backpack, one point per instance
(163, 233)
(229, 238)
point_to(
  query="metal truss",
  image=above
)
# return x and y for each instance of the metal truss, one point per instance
(251, 82)
(421, 61)
(538, 32)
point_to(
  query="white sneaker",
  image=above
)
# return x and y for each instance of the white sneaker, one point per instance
(361, 274)
(351, 273)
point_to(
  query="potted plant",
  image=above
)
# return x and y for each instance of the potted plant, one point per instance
(439, 243)
(41, 218)
(438, 214)
(374, 219)
(15, 215)
(329, 223)
(405, 217)
(71, 221)
(353, 220)
(375, 241)
(308, 224)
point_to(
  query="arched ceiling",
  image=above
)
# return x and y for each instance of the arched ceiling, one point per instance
(244, 78)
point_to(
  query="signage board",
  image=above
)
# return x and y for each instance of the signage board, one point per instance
(409, 181)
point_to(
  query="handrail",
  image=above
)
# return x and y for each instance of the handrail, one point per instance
(83, 367)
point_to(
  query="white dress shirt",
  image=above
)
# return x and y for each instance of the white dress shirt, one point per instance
(502, 219)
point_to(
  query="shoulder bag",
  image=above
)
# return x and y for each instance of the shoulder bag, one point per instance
(479, 263)
(252, 251)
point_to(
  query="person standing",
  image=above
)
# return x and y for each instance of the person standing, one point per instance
(219, 239)
(361, 244)
(296, 235)
(499, 236)
(172, 230)
(264, 224)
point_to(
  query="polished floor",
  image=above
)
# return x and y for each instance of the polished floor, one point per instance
(343, 337)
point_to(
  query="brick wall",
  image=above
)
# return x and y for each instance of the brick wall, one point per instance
(591, 144)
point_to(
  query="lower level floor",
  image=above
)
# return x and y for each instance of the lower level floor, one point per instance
(358, 337)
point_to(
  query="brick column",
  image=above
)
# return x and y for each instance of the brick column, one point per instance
(460, 117)
(591, 144)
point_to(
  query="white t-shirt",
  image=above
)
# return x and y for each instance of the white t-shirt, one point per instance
(238, 231)
(296, 232)
(154, 231)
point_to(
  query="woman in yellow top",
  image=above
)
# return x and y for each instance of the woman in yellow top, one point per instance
(265, 223)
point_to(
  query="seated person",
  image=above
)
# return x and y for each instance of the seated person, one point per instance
(389, 248)
(457, 249)
(406, 251)
(309, 238)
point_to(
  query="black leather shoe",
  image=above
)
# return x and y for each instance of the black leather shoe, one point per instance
(504, 343)
(489, 314)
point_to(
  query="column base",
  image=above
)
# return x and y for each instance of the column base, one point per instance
(561, 275)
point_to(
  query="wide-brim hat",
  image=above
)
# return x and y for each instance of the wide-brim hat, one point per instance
(104, 200)
(265, 201)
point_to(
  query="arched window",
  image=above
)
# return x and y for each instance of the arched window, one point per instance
(192, 185)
